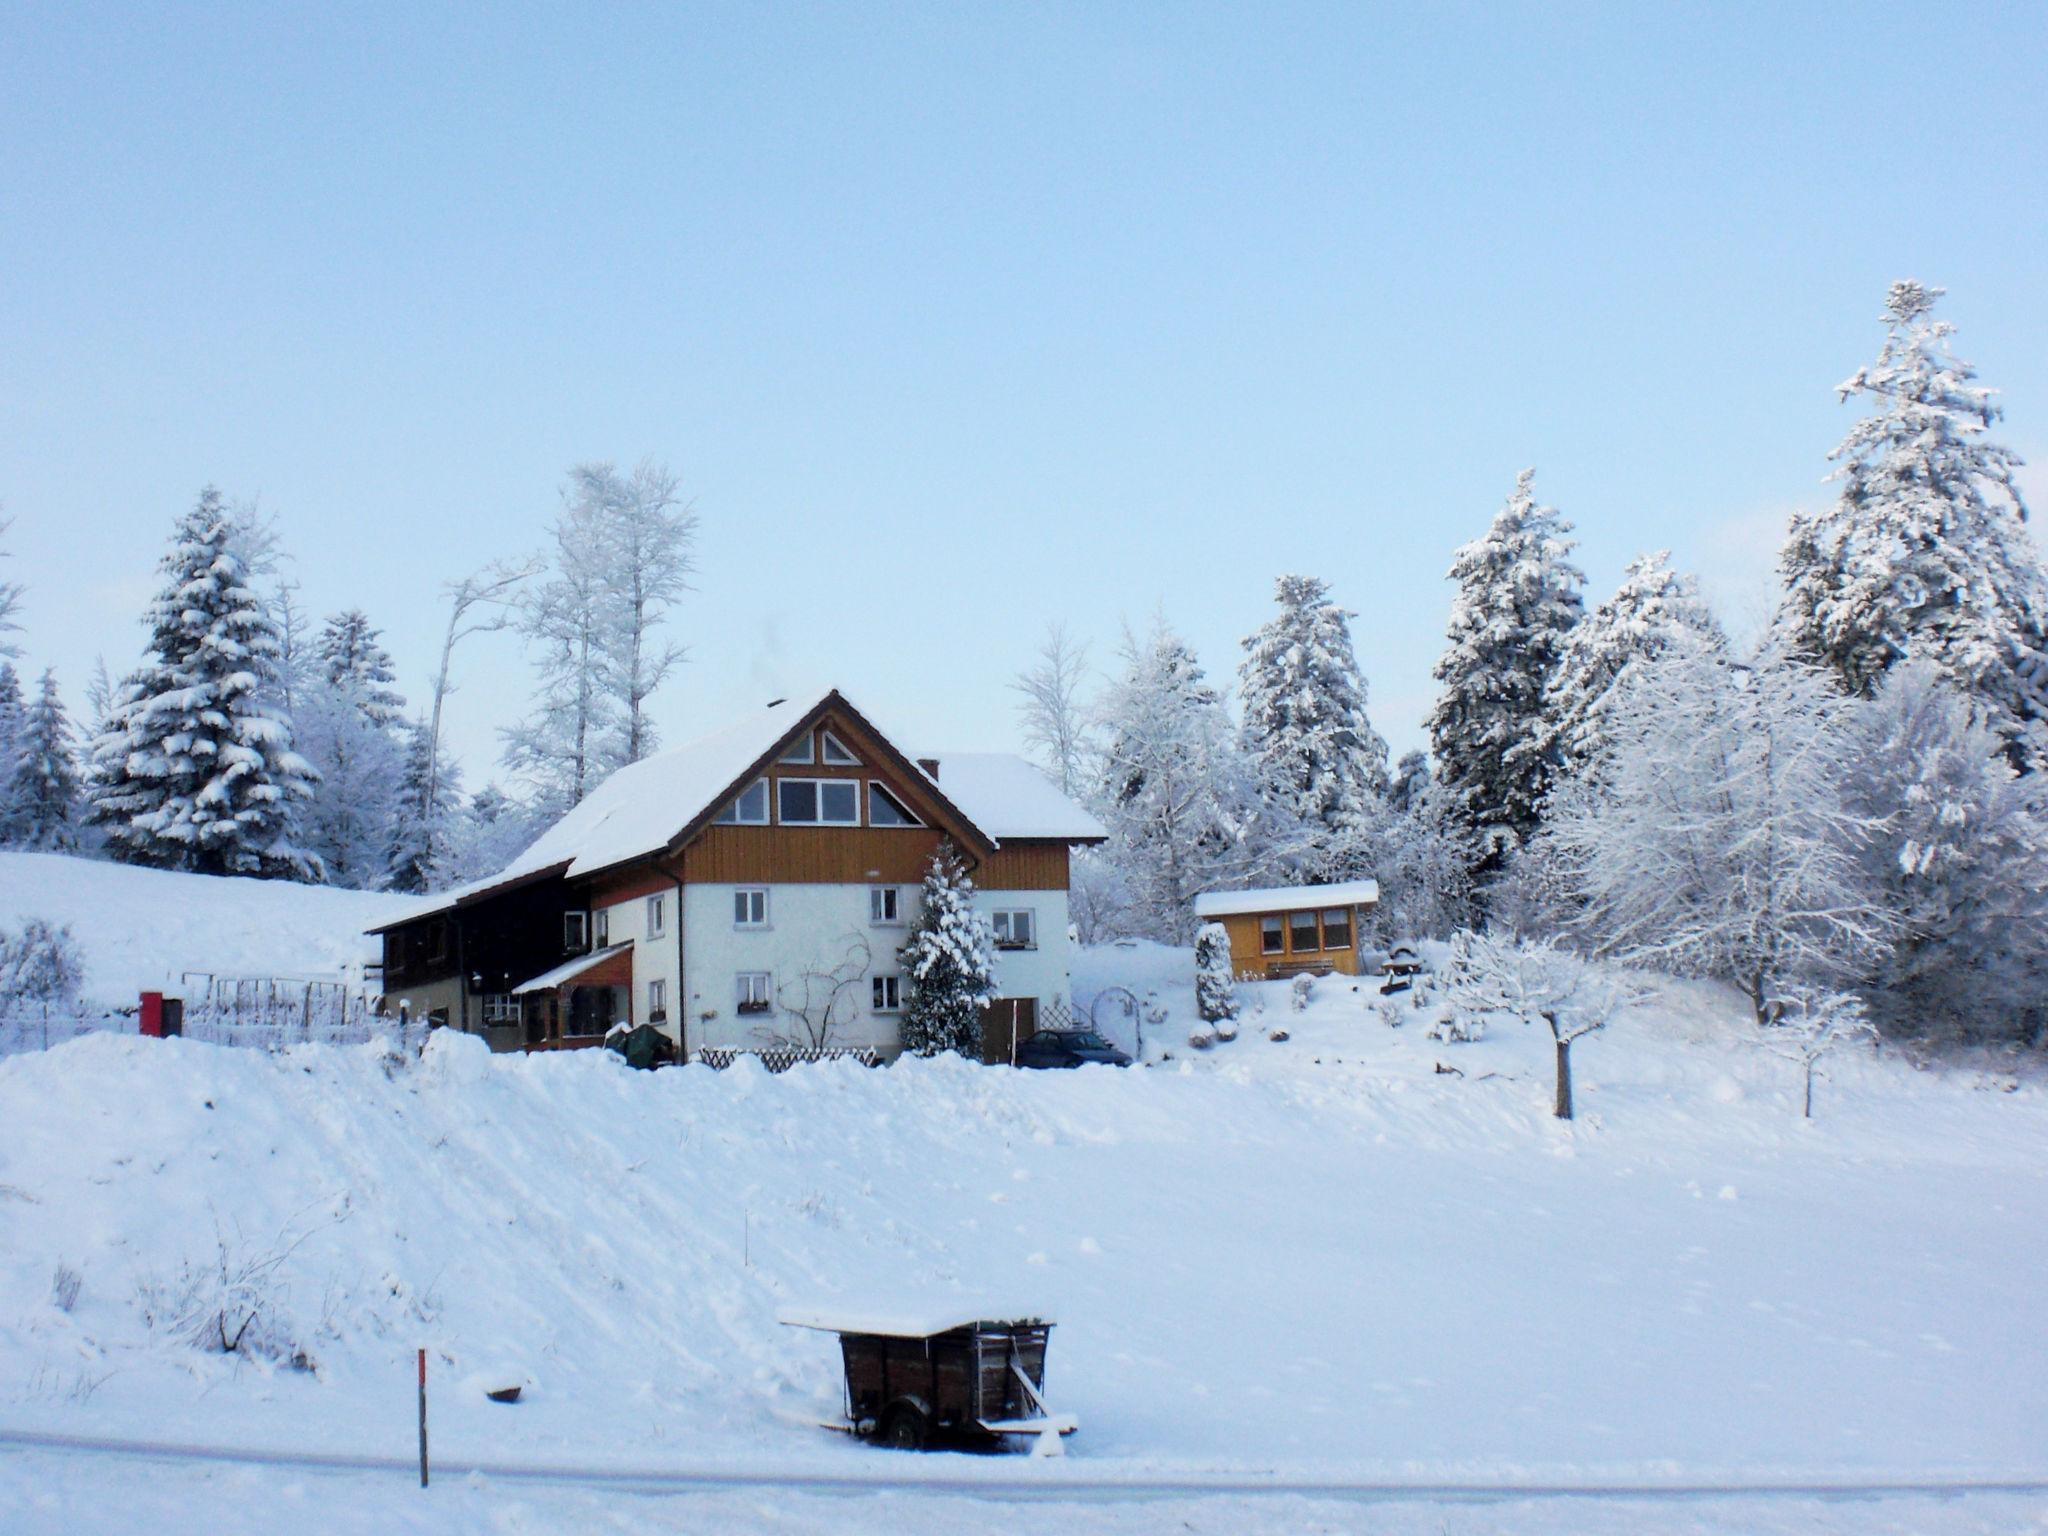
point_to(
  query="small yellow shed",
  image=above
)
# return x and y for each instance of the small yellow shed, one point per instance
(1291, 929)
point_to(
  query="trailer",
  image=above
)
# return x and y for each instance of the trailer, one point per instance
(922, 1379)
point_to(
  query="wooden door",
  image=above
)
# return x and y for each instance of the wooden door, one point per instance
(1006, 1024)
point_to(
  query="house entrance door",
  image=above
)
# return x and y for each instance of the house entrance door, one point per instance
(1006, 1024)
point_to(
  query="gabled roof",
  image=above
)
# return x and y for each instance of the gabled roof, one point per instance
(1287, 898)
(662, 801)
(1010, 797)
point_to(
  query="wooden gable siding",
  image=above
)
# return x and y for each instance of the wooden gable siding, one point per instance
(809, 855)
(612, 971)
(1025, 865)
(635, 880)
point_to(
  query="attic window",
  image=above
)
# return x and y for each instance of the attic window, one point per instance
(885, 810)
(799, 751)
(833, 750)
(817, 802)
(749, 809)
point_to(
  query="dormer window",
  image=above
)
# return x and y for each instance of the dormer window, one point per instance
(832, 750)
(749, 809)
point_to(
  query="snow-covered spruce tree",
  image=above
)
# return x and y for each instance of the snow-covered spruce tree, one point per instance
(1422, 856)
(1652, 604)
(355, 664)
(1517, 601)
(490, 832)
(195, 771)
(1055, 720)
(1961, 862)
(45, 805)
(949, 962)
(1924, 553)
(416, 855)
(12, 717)
(1411, 777)
(1313, 753)
(1215, 981)
(1177, 794)
(1715, 836)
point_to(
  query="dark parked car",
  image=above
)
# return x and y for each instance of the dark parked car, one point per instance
(1069, 1048)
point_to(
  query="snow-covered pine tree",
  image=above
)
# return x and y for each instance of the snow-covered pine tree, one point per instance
(1653, 603)
(492, 829)
(1517, 601)
(12, 718)
(416, 857)
(354, 663)
(195, 771)
(1924, 552)
(44, 804)
(346, 712)
(1177, 793)
(1313, 752)
(1961, 861)
(949, 962)
(1215, 981)
(1411, 776)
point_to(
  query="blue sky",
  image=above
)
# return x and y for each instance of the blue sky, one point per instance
(958, 320)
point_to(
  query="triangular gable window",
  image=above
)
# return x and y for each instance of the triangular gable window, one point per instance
(885, 810)
(750, 809)
(799, 751)
(833, 750)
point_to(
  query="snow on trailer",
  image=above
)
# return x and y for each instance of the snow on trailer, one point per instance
(919, 1376)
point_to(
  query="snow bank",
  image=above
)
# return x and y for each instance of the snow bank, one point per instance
(141, 928)
(1323, 1256)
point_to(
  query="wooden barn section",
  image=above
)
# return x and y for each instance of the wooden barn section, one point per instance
(1292, 930)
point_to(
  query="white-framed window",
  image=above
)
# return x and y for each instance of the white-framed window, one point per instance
(799, 751)
(657, 914)
(885, 810)
(832, 750)
(885, 905)
(1015, 929)
(817, 802)
(749, 808)
(755, 992)
(750, 907)
(657, 1001)
(501, 1008)
(575, 930)
(888, 994)
(601, 928)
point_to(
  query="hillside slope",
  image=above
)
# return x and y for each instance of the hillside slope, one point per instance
(141, 928)
(1320, 1256)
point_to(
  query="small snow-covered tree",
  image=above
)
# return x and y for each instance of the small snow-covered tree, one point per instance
(1538, 980)
(196, 771)
(1517, 601)
(1714, 835)
(1313, 752)
(44, 804)
(41, 971)
(345, 723)
(1960, 860)
(949, 963)
(1652, 604)
(1215, 981)
(1183, 813)
(416, 855)
(1809, 1022)
(1924, 553)
(1055, 718)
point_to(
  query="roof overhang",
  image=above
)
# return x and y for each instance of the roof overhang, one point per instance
(469, 896)
(569, 970)
(1293, 898)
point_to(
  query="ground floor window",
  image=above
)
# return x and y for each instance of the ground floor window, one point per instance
(885, 904)
(1272, 936)
(1301, 932)
(657, 1001)
(755, 991)
(888, 993)
(592, 1010)
(1337, 928)
(1015, 929)
(501, 1008)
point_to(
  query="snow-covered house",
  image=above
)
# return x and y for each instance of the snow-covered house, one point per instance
(1292, 929)
(749, 889)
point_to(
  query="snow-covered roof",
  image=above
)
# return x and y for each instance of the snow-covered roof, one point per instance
(911, 1322)
(569, 970)
(1007, 796)
(1287, 898)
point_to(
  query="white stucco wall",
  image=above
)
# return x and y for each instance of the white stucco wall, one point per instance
(654, 955)
(812, 929)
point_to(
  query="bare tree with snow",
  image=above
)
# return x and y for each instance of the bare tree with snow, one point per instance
(1056, 721)
(649, 541)
(480, 603)
(1810, 1022)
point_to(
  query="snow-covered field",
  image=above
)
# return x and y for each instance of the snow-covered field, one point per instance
(1319, 1259)
(140, 928)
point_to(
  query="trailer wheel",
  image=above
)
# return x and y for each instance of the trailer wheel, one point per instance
(904, 1428)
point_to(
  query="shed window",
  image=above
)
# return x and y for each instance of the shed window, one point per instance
(1301, 932)
(1271, 936)
(749, 809)
(1337, 928)
(818, 802)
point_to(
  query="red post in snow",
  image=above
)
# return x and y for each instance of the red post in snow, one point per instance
(152, 1017)
(423, 1418)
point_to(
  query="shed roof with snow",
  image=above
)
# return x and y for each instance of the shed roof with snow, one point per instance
(1287, 898)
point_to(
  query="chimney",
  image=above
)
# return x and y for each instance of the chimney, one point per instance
(931, 767)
